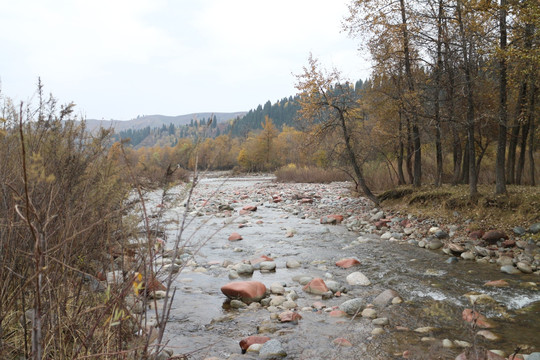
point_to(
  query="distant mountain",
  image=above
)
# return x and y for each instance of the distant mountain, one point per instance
(156, 121)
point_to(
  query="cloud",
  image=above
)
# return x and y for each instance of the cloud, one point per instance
(120, 58)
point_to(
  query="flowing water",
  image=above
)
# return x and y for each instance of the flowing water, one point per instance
(203, 325)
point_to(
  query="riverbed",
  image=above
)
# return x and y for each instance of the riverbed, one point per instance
(286, 227)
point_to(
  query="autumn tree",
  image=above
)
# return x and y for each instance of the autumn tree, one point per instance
(332, 107)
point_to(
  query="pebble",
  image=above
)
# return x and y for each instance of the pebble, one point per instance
(380, 321)
(377, 331)
(369, 313)
(447, 343)
(424, 330)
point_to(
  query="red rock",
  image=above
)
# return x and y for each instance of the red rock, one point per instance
(508, 243)
(494, 235)
(277, 199)
(289, 316)
(337, 294)
(337, 313)
(481, 321)
(477, 234)
(347, 263)
(342, 342)
(235, 237)
(260, 259)
(249, 208)
(250, 340)
(497, 283)
(316, 286)
(306, 201)
(243, 212)
(241, 226)
(247, 291)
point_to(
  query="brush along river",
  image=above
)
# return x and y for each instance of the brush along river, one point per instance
(424, 314)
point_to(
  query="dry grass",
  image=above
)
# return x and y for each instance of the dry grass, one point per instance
(291, 173)
(519, 207)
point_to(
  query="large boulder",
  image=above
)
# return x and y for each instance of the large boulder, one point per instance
(247, 291)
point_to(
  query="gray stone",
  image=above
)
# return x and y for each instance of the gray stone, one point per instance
(277, 300)
(534, 228)
(334, 286)
(519, 230)
(378, 216)
(434, 244)
(293, 264)
(237, 304)
(468, 255)
(380, 321)
(352, 306)
(534, 356)
(272, 349)
(505, 260)
(244, 269)
(385, 298)
(509, 269)
(524, 267)
(369, 313)
(441, 234)
(268, 266)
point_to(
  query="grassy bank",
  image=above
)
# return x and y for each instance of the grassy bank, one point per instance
(452, 204)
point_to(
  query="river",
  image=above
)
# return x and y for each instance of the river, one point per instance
(203, 325)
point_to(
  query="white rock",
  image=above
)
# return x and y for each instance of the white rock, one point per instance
(357, 278)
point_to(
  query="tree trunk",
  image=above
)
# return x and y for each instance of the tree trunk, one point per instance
(438, 146)
(500, 181)
(456, 139)
(514, 136)
(417, 176)
(473, 188)
(465, 163)
(522, 151)
(352, 158)
(532, 108)
(401, 176)
(410, 152)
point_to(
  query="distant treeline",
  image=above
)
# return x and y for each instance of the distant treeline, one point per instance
(283, 113)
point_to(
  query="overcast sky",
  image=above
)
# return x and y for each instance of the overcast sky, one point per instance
(122, 58)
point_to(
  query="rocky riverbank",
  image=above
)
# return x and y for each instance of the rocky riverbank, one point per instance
(306, 271)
